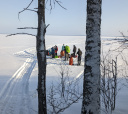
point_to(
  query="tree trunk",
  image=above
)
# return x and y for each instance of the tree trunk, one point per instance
(91, 81)
(41, 56)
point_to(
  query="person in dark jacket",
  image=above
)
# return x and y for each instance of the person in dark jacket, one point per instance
(53, 52)
(74, 50)
(56, 49)
(79, 56)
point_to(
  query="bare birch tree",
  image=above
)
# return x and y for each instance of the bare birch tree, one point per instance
(41, 56)
(91, 81)
(64, 93)
(41, 53)
(109, 83)
(41, 49)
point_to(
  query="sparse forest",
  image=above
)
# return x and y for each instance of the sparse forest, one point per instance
(53, 80)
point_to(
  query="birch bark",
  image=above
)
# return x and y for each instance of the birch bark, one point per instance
(91, 81)
(41, 56)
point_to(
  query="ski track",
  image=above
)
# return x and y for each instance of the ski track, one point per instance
(14, 97)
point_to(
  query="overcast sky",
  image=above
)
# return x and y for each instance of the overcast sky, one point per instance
(64, 22)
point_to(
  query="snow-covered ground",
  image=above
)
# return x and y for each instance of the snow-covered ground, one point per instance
(18, 73)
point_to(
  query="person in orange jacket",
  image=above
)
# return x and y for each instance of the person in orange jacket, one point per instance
(71, 60)
(63, 51)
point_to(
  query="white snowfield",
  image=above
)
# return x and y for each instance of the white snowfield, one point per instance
(19, 73)
(14, 96)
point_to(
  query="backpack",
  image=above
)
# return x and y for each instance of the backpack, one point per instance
(80, 52)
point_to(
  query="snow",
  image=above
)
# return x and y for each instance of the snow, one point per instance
(18, 73)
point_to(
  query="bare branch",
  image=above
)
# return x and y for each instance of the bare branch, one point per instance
(25, 8)
(122, 34)
(28, 28)
(69, 104)
(50, 5)
(31, 10)
(47, 26)
(53, 2)
(126, 38)
(20, 33)
(59, 3)
(64, 94)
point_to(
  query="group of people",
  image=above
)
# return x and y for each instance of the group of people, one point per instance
(53, 51)
(65, 52)
(66, 49)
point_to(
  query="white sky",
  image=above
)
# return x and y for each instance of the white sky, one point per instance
(64, 22)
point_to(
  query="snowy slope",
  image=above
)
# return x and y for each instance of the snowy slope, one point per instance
(18, 73)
